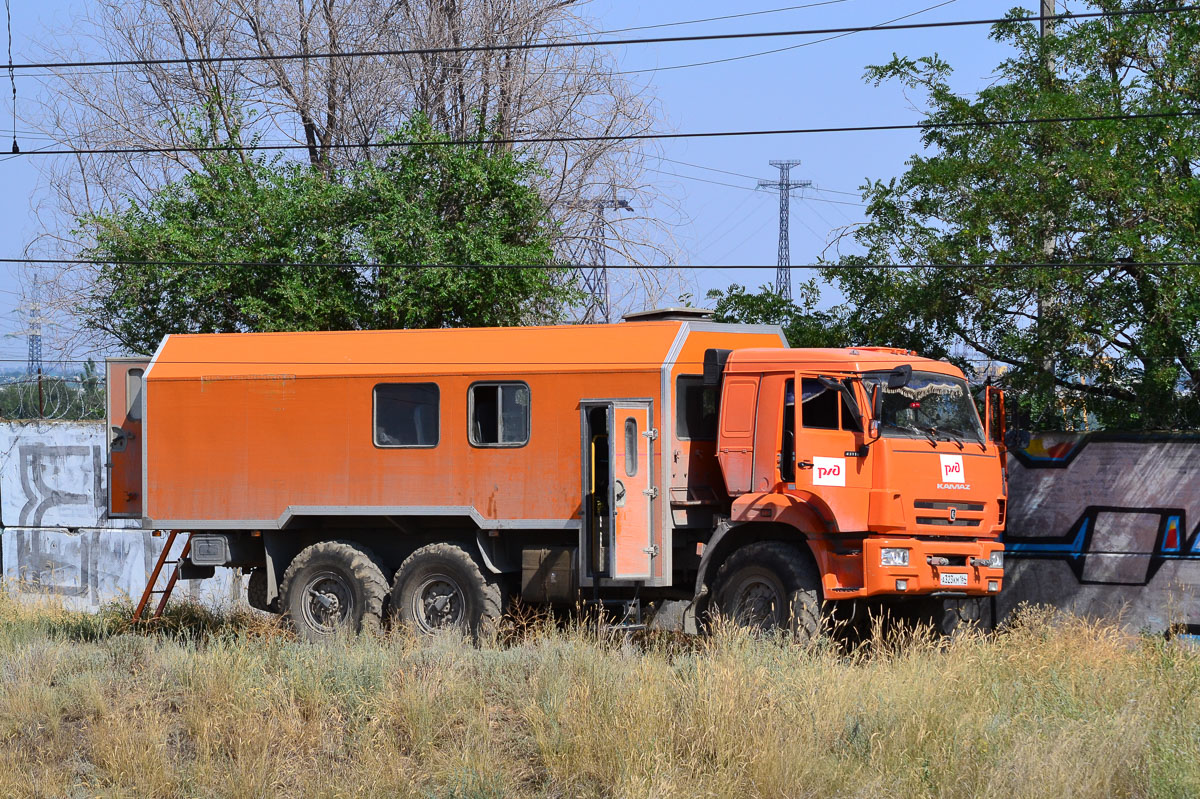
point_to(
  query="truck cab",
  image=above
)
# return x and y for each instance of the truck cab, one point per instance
(875, 459)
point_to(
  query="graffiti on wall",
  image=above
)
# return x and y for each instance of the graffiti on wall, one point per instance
(35, 461)
(1106, 525)
(53, 474)
(57, 538)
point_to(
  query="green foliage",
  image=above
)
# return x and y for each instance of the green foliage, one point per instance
(802, 323)
(427, 204)
(1118, 345)
(54, 397)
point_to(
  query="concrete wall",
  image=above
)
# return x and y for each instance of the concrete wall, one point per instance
(1102, 525)
(57, 541)
(1106, 525)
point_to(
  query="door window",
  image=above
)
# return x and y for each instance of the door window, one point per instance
(818, 405)
(631, 448)
(133, 394)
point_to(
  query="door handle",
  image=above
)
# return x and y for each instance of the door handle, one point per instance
(804, 465)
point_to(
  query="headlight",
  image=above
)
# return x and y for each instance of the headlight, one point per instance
(997, 560)
(890, 556)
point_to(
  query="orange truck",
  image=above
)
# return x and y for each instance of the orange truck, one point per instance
(436, 474)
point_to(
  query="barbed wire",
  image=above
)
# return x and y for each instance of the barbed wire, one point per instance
(53, 397)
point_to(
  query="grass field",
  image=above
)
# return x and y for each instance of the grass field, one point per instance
(207, 706)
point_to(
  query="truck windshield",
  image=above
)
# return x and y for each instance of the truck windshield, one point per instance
(931, 405)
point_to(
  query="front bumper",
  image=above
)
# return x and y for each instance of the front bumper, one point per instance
(853, 574)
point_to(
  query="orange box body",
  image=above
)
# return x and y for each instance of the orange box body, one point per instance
(278, 432)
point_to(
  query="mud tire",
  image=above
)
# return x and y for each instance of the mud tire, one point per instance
(343, 573)
(256, 592)
(440, 586)
(770, 585)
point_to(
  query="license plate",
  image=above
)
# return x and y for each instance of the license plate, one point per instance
(953, 579)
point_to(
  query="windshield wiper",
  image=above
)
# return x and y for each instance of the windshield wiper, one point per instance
(954, 438)
(930, 433)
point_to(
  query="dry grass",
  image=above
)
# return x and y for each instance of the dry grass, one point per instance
(210, 706)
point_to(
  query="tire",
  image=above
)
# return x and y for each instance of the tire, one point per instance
(770, 585)
(256, 592)
(441, 587)
(332, 587)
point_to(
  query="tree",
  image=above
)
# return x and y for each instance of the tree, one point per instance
(1117, 341)
(277, 222)
(332, 107)
(802, 323)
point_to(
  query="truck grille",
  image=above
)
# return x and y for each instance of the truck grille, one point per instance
(944, 520)
(925, 504)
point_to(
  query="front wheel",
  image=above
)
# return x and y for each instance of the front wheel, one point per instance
(331, 587)
(441, 587)
(770, 585)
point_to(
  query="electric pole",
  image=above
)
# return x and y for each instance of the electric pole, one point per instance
(593, 279)
(785, 184)
(1047, 11)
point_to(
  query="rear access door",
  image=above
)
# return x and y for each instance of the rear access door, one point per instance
(620, 494)
(125, 411)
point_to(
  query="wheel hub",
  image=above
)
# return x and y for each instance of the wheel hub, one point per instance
(439, 604)
(759, 605)
(328, 603)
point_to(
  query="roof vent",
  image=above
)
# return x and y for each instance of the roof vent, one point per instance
(670, 315)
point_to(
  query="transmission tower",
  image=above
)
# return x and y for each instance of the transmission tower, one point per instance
(33, 332)
(785, 184)
(593, 278)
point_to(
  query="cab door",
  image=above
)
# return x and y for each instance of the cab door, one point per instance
(126, 394)
(635, 496)
(832, 460)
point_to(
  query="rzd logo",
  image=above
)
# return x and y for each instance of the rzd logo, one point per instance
(952, 469)
(829, 471)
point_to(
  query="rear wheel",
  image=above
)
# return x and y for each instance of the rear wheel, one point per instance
(331, 587)
(770, 585)
(441, 587)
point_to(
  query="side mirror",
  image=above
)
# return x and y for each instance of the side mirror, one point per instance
(899, 377)
(994, 416)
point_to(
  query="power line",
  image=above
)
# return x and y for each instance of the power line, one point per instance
(558, 45)
(746, 188)
(451, 67)
(721, 18)
(750, 177)
(745, 56)
(348, 265)
(615, 136)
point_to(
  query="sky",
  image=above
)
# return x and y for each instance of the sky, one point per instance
(726, 231)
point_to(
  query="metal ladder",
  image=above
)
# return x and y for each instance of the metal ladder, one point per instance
(166, 592)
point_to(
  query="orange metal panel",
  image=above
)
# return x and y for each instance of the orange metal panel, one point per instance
(124, 412)
(634, 518)
(736, 450)
(243, 427)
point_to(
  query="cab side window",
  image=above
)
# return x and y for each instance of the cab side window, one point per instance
(819, 405)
